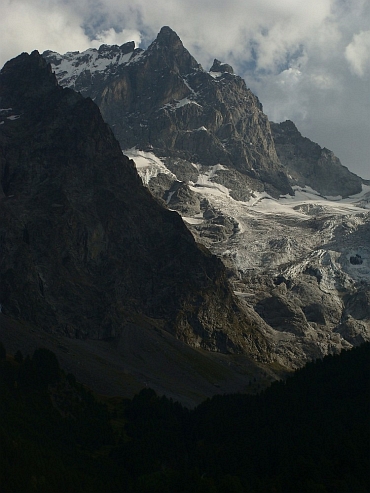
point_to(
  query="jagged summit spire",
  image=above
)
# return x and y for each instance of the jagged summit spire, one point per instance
(167, 36)
(169, 46)
(26, 77)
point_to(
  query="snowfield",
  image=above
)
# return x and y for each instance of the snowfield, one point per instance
(302, 262)
(70, 66)
(273, 233)
(147, 164)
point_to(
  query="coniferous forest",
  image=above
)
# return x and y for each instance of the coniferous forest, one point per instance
(307, 434)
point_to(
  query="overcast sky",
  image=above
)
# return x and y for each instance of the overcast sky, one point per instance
(306, 61)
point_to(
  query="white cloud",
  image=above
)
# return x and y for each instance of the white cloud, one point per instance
(112, 37)
(28, 25)
(358, 53)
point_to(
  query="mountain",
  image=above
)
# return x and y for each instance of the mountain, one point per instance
(310, 165)
(162, 100)
(290, 223)
(86, 250)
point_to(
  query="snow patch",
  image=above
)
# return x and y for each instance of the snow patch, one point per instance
(309, 201)
(205, 184)
(279, 235)
(215, 75)
(148, 165)
(334, 198)
(170, 194)
(179, 104)
(72, 64)
(192, 220)
(361, 199)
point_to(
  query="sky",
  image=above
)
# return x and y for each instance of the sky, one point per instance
(308, 62)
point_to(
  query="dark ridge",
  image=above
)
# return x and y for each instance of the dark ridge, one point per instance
(86, 249)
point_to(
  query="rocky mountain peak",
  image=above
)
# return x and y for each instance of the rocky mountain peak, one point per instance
(258, 194)
(168, 37)
(87, 251)
(221, 67)
(289, 127)
(309, 164)
(128, 47)
(167, 50)
(105, 50)
(164, 101)
(26, 77)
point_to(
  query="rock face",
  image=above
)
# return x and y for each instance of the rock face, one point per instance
(252, 192)
(310, 165)
(162, 100)
(85, 249)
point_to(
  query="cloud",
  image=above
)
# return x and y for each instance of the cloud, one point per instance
(28, 25)
(112, 37)
(267, 32)
(358, 54)
(56, 25)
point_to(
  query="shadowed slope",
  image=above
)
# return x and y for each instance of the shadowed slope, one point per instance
(84, 246)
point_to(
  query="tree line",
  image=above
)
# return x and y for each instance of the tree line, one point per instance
(308, 433)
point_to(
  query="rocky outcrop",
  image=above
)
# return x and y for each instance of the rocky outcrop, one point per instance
(310, 165)
(85, 249)
(219, 68)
